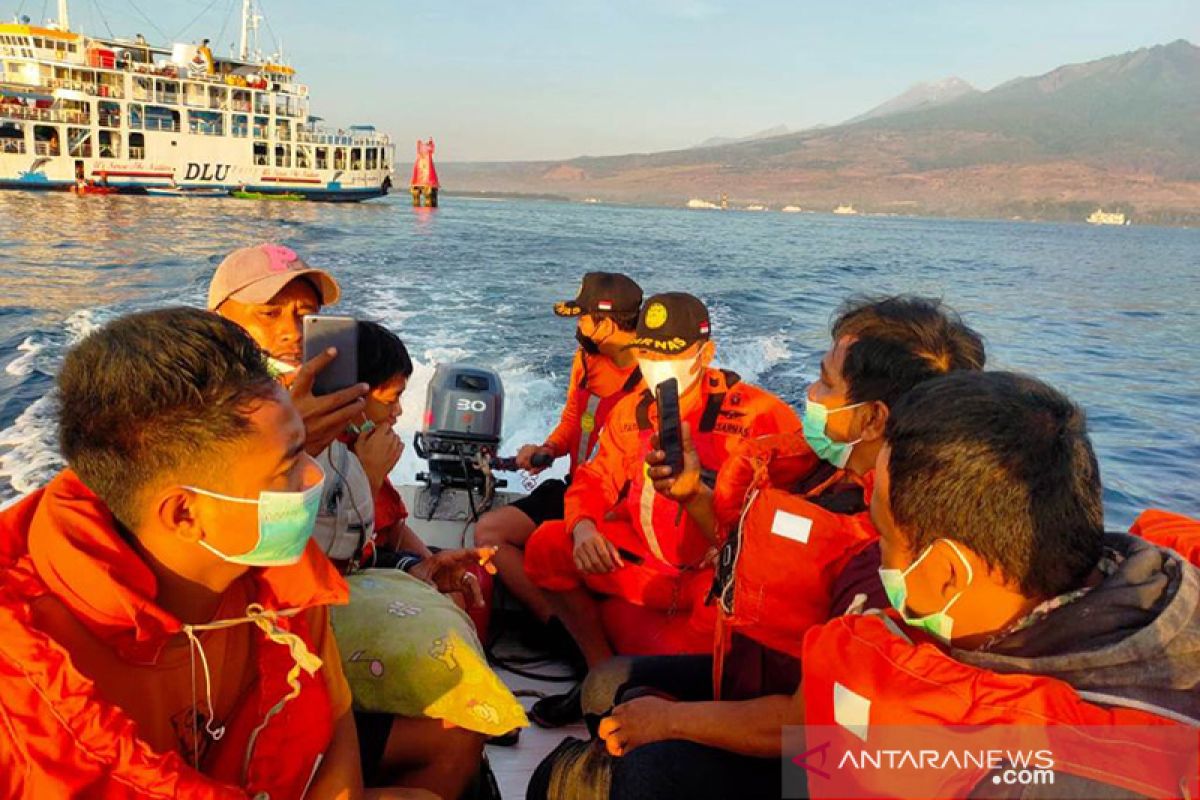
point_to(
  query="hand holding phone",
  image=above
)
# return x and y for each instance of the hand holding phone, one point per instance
(340, 333)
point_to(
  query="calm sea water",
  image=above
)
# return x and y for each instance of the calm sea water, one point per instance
(1110, 315)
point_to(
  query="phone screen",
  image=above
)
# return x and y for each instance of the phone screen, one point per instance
(321, 333)
(670, 428)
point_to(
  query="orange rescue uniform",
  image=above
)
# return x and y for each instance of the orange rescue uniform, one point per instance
(596, 385)
(98, 697)
(667, 571)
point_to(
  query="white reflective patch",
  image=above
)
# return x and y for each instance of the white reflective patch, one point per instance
(852, 711)
(791, 526)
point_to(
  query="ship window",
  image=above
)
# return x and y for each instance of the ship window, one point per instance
(260, 154)
(303, 157)
(12, 138)
(260, 127)
(217, 97)
(283, 155)
(110, 114)
(137, 146)
(241, 100)
(194, 95)
(339, 158)
(161, 119)
(239, 125)
(206, 123)
(372, 158)
(166, 92)
(135, 115)
(262, 103)
(356, 158)
(283, 130)
(141, 88)
(45, 140)
(110, 144)
(322, 158)
(79, 142)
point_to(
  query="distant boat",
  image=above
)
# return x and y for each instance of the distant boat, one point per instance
(696, 202)
(791, 209)
(176, 191)
(756, 207)
(1102, 217)
(591, 200)
(244, 195)
(845, 210)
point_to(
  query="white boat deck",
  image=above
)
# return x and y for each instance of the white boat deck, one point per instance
(514, 765)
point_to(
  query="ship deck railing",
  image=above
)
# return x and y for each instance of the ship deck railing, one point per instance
(43, 114)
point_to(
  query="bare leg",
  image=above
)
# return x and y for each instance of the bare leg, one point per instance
(508, 529)
(424, 754)
(580, 614)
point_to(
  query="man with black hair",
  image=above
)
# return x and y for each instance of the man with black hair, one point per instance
(1010, 607)
(790, 512)
(163, 615)
(603, 372)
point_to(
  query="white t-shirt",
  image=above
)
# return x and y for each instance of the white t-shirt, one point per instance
(346, 520)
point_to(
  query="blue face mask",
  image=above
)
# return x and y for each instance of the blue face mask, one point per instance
(940, 624)
(285, 523)
(815, 416)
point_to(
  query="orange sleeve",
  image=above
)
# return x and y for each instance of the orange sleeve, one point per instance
(596, 485)
(331, 658)
(564, 437)
(1166, 529)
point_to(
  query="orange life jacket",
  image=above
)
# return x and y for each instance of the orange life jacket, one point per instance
(62, 739)
(615, 483)
(596, 386)
(865, 673)
(780, 560)
(1165, 529)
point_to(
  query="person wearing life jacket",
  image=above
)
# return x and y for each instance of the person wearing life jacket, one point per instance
(621, 541)
(603, 372)
(268, 290)
(164, 624)
(791, 510)
(1013, 616)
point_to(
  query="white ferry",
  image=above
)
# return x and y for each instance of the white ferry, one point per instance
(1102, 217)
(106, 115)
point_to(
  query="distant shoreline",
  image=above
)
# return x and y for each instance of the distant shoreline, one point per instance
(1069, 213)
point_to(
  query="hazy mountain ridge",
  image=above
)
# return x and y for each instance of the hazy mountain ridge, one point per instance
(1120, 131)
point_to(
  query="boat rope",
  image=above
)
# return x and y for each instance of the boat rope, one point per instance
(178, 37)
(100, 11)
(149, 21)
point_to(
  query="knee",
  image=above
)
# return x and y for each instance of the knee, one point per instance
(462, 748)
(604, 683)
(489, 531)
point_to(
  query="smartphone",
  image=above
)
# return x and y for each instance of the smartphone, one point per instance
(670, 428)
(322, 333)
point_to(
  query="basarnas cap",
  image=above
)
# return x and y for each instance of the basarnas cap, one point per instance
(256, 274)
(603, 292)
(671, 323)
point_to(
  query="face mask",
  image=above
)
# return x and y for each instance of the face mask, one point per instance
(285, 523)
(358, 430)
(939, 624)
(279, 368)
(589, 345)
(815, 416)
(655, 372)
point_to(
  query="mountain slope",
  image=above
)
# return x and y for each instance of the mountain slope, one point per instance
(1123, 130)
(919, 96)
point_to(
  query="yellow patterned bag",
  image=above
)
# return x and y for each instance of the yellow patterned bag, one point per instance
(409, 650)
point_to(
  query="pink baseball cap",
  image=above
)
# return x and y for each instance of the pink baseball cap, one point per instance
(256, 274)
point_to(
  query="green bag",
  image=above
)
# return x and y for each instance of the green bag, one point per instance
(409, 650)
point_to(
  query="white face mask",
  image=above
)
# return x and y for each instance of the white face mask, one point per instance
(685, 371)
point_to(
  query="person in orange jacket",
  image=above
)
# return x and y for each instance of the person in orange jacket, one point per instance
(603, 372)
(164, 627)
(1011, 612)
(622, 540)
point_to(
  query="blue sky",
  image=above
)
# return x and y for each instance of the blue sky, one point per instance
(529, 79)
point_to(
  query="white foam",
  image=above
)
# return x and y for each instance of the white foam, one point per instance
(25, 363)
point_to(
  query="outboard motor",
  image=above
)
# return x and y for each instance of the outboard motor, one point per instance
(464, 411)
